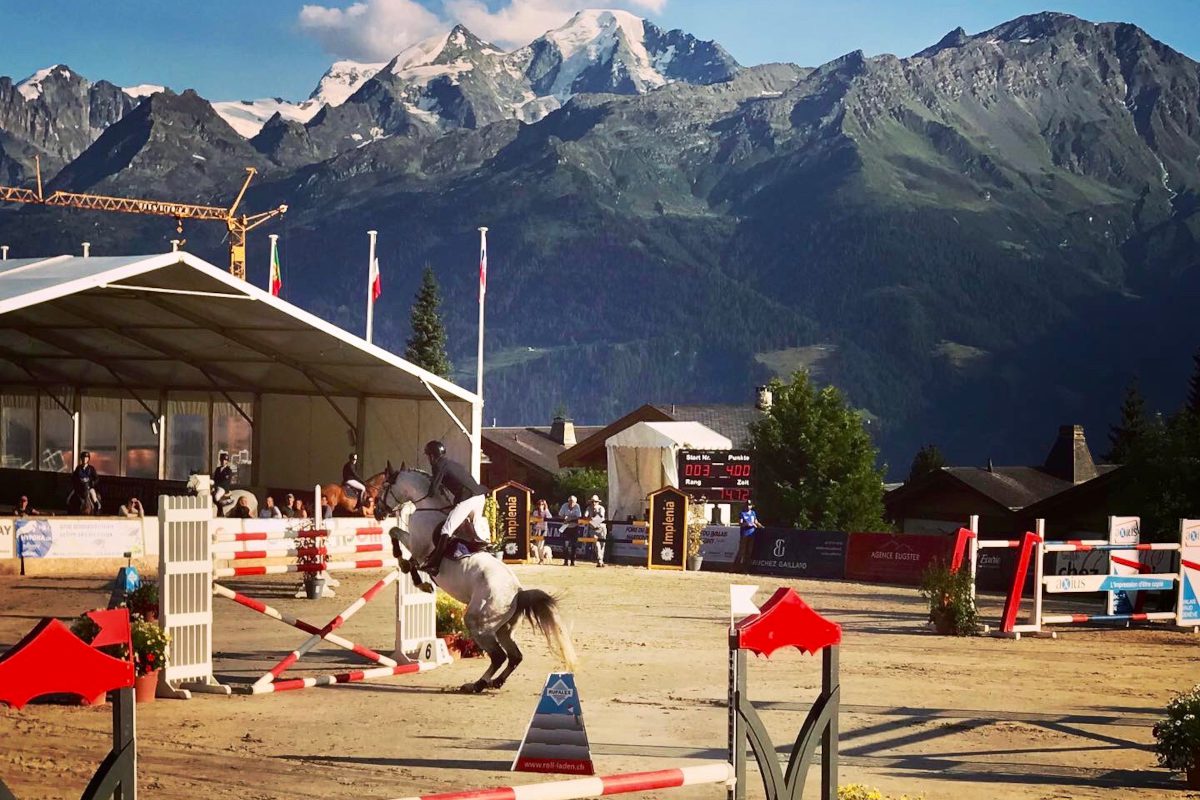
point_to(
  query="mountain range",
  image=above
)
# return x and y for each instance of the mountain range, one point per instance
(976, 243)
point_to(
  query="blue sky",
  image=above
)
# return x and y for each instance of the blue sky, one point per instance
(262, 48)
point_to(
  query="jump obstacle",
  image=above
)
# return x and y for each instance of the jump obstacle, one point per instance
(196, 550)
(1125, 580)
(784, 621)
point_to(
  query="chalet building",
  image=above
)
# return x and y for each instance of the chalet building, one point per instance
(529, 455)
(1007, 499)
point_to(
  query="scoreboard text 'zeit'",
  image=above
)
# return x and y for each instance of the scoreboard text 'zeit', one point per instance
(723, 476)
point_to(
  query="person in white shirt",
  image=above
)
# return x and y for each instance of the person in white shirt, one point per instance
(570, 512)
(596, 514)
(270, 510)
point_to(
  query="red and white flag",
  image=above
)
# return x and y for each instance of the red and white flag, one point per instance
(376, 281)
(482, 266)
(276, 274)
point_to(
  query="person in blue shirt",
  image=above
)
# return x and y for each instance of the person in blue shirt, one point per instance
(747, 522)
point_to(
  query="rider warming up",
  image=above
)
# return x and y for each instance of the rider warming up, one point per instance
(352, 480)
(84, 479)
(222, 480)
(454, 480)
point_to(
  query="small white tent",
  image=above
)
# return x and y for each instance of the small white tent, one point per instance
(641, 460)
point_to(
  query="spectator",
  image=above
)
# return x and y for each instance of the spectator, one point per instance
(301, 511)
(270, 510)
(84, 480)
(596, 515)
(132, 509)
(541, 516)
(570, 512)
(747, 522)
(327, 510)
(289, 507)
(24, 509)
(242, 509)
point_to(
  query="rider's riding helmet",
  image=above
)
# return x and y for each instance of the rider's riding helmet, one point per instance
(435, 450)
(224, 457)
(353, 456)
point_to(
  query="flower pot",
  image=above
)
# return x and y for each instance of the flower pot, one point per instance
(694, 562)
(1193, 772)
(451, 642)
(145, 687)
(314, 586)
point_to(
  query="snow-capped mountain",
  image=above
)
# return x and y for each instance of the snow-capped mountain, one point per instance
(341, 80)
(247, 117)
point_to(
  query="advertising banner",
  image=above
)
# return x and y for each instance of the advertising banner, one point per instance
(621, 544)
(1188, 606)
(718, 545)
(799, 554)
(513, 502)
(893, 558)
(1123, 530)
(61, 537)
(668, 529)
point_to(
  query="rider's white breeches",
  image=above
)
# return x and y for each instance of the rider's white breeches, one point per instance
(218, 493)
(95, 498)
(357, 486)
(471, 507)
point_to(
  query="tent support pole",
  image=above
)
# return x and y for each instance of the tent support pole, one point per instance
(446, 408)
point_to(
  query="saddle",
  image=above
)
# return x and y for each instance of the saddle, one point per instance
(459, 549)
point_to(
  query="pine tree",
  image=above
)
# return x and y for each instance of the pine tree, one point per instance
(928, 459)
(1125, 435)
(1193, 398)
(427, 345)
(815, 463)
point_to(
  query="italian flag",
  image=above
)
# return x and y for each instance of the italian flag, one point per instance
(276, 275)
(376, 281)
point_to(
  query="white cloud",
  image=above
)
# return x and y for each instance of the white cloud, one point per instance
(375, 30)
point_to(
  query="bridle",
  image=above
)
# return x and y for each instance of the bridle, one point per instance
(384, 510)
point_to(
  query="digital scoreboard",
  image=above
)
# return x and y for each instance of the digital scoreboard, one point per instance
(722, 476)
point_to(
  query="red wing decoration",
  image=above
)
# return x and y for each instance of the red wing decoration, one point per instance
(786, 621)
(52, 660)
(113, 624)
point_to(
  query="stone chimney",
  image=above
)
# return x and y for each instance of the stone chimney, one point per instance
(1069, 458)
(562, 431)
(762, 398)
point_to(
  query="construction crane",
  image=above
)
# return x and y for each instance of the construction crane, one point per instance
(237, 225)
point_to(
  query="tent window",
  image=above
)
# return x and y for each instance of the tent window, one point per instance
(101, 433)
(139, 442)
(56, 437)
(187, 436)
(17, 431)
(232, 434)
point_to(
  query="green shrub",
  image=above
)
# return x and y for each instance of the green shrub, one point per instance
(951, 607)
(1177, 738)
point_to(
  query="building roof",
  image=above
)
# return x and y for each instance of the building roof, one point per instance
(669, 435)
(1013, 488)
(175, 321)
(732, 422)
(532, 445)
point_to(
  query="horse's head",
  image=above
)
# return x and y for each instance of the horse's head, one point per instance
(198, 483)
(400, 486)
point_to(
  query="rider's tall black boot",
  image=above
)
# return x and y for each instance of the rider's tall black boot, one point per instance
(434, 561)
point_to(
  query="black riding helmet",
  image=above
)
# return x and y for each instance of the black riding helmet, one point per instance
(435, 450)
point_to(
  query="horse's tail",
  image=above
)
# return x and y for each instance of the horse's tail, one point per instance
(541, 611)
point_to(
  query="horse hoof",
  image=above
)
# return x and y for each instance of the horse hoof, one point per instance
(473, 688)
(498, 683)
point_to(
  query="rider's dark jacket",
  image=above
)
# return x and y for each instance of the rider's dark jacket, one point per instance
(222, 477)
(83, 478)
(451, 477)
(350, 473)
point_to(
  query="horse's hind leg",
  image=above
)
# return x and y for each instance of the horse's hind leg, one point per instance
(504, 637)
(487, 642)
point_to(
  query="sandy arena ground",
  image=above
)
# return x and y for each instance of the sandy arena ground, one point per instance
(923, 715)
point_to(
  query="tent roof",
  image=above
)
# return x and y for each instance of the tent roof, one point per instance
(670, 434)
(174, 321)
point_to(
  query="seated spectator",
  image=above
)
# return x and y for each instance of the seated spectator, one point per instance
(24, 509)
(270, 510)
(132, 509)
(241, 510)
(301, 511)
(289, 507)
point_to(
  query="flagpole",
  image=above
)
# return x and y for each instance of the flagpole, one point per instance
(482, 292)
(370, 287)
(271, 264)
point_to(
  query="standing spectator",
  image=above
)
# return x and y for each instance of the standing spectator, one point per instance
(541, 516)
(24, 509)
(132, 509)
(270, 510)
(746, 525)
(84, 480)
(570, 512)
(289, 507)
(596, 516)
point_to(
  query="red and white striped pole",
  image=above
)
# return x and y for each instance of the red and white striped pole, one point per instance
(598, 786)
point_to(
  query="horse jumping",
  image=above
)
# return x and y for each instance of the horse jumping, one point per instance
(494, 597)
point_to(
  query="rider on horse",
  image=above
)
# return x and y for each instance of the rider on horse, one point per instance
(222, 479)
(455, 480)
(84, 480)
(352, 482)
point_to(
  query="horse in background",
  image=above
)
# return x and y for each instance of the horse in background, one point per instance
(335, 496)
(200, 483)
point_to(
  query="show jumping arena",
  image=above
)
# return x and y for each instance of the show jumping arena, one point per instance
(924, 715)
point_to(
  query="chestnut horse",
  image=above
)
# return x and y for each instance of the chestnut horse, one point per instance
(344, 506)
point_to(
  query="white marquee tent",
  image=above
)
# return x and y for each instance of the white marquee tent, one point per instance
(641, 460)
